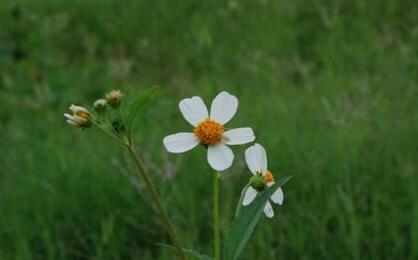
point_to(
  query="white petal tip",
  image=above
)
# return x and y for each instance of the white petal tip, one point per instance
(223, 107)
(277, 196)
(268, 210)
(194, 110)
(249, 196)
(180, 143)
(220, 157)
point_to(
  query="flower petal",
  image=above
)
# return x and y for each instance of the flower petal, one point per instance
(239, 136)
(194, 110)
(256, 159)
(277, 196)
(72, 123)
(180, 142)
(75, 108)
(68, 116)
(249, 196)
(220, 157)
(268, 210)
(79, 119)
(224, 107)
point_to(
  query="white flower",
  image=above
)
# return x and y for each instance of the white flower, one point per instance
(256, 159)
(79, 118)
(209, 130)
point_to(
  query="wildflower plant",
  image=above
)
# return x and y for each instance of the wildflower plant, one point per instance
(109, 115)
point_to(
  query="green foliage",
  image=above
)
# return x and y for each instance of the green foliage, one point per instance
(138, 104)
(241, 198)
(192, 253)
(246, 220)
(330, 88)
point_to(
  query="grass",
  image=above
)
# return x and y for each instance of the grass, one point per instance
(330, 88)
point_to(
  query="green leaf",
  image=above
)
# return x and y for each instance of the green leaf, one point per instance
(239, 205)
(246, 220)
(191, 252)
(137, 105)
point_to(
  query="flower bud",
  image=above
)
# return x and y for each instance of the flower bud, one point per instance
(118, 126)
(79, 118)
(258, 182)
(100, 106)
(114, 98)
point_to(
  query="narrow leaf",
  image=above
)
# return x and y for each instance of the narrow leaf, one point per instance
(246, 220)
(191, 252)
(239, 205)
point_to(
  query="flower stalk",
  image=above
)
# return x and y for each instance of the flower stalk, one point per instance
(151, 187)
(216, 221)
(112, 135)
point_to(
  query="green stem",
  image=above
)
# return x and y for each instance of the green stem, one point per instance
(216, 224)
(150, 185)
(115, 137)
(123, 118)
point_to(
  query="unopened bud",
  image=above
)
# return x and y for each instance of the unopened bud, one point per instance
(114, 98)
(118, 126)
(79, 118)
(100, 106)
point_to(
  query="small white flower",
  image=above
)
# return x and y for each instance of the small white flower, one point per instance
(79, 118)
(256, 159)
(209, 129)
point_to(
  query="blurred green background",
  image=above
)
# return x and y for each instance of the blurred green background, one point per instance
(330, 88)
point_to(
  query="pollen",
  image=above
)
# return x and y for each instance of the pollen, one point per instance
(268, 177)
(209, 132)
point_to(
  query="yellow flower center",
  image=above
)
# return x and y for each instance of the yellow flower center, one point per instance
(268, 177)
(209, 132)
(81, 113)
